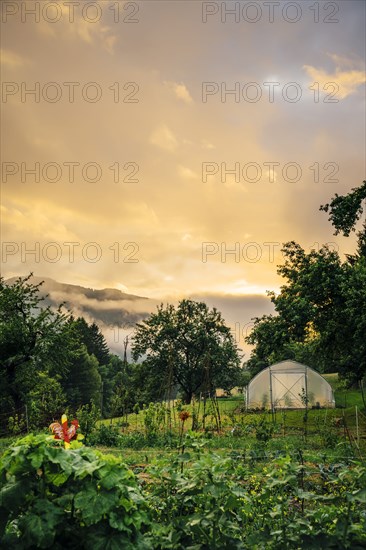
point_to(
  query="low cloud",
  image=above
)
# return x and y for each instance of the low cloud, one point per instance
(164, 138)
(348, 75)
(11, 59)
(187, 173)
(181, 91)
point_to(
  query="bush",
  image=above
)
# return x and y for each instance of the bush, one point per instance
(105, 435)
(88, 416)
(80, 499)
(216, 503)
(77, 498)
(17, 424)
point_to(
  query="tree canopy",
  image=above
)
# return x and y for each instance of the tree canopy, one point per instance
(190, 346)
(48, 360)
(320, 310)
(29, 335)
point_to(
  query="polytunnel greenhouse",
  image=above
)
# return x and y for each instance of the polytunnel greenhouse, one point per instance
(288, 385)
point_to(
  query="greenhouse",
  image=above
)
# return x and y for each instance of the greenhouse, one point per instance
(289, 385)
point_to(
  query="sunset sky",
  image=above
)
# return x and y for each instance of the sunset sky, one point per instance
(145, 87)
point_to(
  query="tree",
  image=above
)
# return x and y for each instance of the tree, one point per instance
(353, 358)
(270, 338)
(321, 307)
(308, 321)
(47, 401)
(136, 385)
(92, 337)
(30, 339)
(190, 346)
(44, 362)
(344, 213)
(83, 383)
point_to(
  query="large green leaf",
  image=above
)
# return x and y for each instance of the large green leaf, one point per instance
(92, 504)
(12, 495)
(112, 475)
(38, 526)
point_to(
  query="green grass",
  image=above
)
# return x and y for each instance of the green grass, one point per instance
(348, 398)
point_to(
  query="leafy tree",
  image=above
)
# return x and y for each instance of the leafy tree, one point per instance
(44, 362)
(145, 386)
(321, 308)
(344, 213)
(47, 401)
(135, 385)
(92, 338)
(30, 339)
(190, 346)
(353, 330)
(269, 336)
(307, 325)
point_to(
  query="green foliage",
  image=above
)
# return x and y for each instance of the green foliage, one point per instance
(92, 338)
(346, 210)
(264, 429)
(144, 385)
(48, 361)
(30, 336)
(87, 416)
(78, 498)
(46, 399)
(216, 503)
(308, 325)
(189, 346)
(106, 435)
(83, 383)
(321, 307)
(17, 424)
(155, 416)
(353, 352)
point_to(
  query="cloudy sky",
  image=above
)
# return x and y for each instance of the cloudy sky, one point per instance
(168, 148)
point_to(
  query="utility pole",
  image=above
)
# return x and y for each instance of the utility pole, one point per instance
(101, 399)
(125, 345)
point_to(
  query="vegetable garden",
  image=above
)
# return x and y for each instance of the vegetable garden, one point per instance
(151, 482)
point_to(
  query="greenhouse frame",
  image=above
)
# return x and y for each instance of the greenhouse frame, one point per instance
(289, 385)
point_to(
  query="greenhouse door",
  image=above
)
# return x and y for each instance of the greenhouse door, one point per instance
(287, 388)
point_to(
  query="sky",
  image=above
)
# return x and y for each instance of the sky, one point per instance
(169, 148)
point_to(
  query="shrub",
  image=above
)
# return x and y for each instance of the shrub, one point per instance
(77, 498)
(80, 499)
(88, 416)
(17, 424)
(105, 435)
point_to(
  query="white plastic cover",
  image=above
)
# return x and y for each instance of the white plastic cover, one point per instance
(289, 385)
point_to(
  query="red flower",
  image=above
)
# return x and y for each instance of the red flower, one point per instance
(184, 415)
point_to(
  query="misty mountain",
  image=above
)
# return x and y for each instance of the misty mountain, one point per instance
(108, 306)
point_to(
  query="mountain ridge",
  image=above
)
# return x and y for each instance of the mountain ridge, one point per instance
(109, 306)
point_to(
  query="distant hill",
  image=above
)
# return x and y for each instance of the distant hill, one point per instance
(109, 306)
